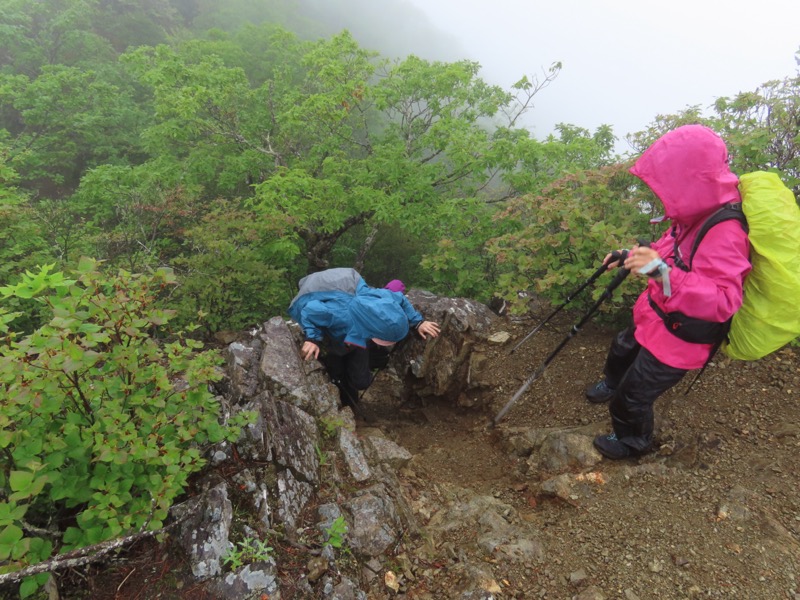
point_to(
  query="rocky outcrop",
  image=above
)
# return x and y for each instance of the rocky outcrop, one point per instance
(449, 366)
(302, 476)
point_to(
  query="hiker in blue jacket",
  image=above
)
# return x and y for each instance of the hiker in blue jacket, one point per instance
(338, 310)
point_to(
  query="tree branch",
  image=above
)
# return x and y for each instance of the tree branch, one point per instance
(86, 555)
(365, 247)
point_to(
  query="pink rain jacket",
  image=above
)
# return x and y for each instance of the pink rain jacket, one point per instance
(687, 169)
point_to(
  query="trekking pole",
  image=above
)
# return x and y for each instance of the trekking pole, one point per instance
(570, 297)
(618, 279)
(373, 375)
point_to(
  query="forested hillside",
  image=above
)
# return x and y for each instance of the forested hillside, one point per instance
(245, 155)
(170, 168)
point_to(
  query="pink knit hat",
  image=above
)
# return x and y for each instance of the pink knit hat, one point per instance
(396, 285)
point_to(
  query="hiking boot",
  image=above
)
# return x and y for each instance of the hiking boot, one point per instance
(599, 393)
(610, 447)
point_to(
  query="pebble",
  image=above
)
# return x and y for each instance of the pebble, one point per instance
(577, 578)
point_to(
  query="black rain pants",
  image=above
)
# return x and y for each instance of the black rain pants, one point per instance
(350, 372)
(639, 378)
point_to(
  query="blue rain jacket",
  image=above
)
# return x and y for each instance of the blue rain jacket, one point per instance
(338, 304)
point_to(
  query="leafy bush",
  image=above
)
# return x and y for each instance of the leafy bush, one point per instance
(102, 424)
(462, 264)
(566, 231)
(233, 270)
(22, 243)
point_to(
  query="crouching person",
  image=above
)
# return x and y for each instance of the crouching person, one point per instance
(341, 316)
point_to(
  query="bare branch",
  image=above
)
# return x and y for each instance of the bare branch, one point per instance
(528, 88)
(86, 555)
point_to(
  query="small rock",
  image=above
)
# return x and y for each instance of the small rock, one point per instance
(656, 566)
(390, 579)
(680, 561)
(591, 593)
(501, 337)
(577, 578)
(317, 567)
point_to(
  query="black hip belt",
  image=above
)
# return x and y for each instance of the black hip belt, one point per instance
(690, 329)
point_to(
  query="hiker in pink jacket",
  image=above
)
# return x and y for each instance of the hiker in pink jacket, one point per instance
(685, 311)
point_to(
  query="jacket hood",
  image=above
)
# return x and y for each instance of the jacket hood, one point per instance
(687, 168)
(376, 314)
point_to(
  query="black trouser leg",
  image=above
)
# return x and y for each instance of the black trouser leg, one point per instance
(350, 372)
(624, 350)
(358, 371)
(631, 407)
(378, 357)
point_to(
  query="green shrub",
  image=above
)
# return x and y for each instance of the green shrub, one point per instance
(102, 424)
(336, 533)
(234, 269)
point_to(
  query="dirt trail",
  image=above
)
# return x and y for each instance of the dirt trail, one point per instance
(715, 513)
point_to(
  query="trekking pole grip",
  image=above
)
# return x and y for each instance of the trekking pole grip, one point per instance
(618, 255)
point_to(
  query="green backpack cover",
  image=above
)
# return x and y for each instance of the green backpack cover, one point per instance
(770, 314)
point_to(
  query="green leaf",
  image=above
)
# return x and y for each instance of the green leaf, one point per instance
(72, 536)
(21, 480)
(94, 535)
(28, 587)
(6, 437)
(20, 549)
(86, 265)
(10, 535)
(10, 512)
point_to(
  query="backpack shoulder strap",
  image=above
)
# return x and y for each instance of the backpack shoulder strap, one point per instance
(732, 210)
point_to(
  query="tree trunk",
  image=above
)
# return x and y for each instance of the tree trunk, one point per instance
(365, 248)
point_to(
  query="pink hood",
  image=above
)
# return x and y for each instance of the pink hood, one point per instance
(687, 169)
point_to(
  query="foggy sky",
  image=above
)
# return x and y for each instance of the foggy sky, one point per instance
(624, 61)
